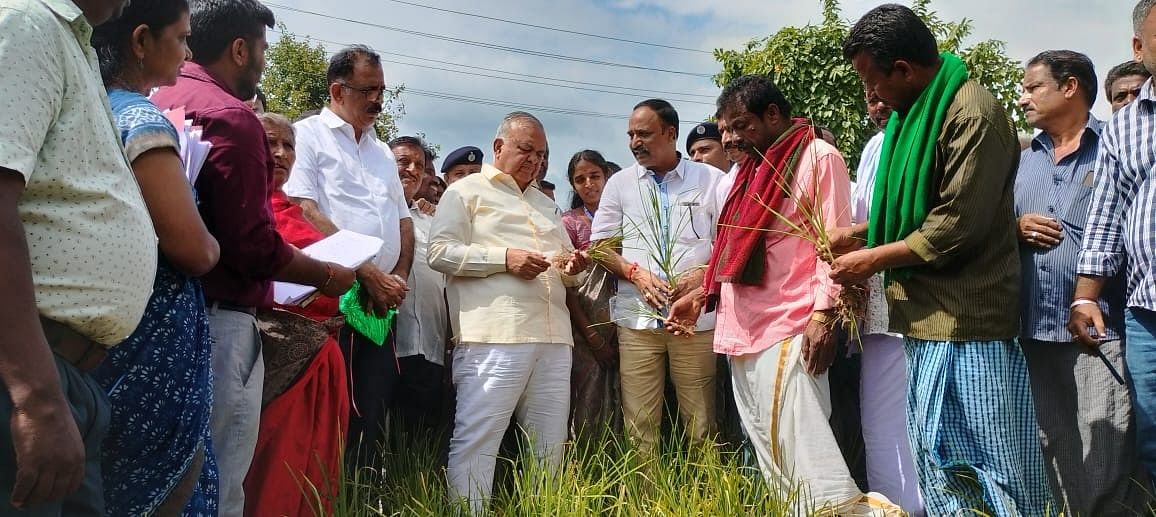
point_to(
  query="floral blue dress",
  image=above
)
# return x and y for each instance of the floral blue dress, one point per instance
(159, 379)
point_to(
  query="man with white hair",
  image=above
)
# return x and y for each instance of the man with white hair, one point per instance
(508, 261)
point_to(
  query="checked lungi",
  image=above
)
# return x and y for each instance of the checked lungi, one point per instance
(973, 429)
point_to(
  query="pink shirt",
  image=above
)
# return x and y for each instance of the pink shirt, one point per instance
(752, 318)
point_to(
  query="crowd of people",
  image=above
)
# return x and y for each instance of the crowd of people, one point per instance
(1000, 287)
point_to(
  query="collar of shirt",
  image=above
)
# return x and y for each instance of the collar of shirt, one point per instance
(334, 121)
(198, 72)
(1043, 141)
(495, 174)
(65, 9)
(72, 14)
(677, 172)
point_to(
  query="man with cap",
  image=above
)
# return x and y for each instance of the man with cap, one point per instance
(704, 145)
(461, 163)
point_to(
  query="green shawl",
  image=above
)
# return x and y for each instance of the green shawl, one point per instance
(903, 182)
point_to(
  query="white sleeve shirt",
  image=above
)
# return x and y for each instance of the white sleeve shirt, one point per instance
(354, 183)
(863, 189)
(680, 211)
(477, 220)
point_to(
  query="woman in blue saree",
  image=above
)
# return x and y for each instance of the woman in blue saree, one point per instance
(157, 457)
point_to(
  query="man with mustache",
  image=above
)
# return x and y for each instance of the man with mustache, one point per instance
(1083, 412)
(664, 207)
(74, 284)
(704, 145)
(345, 178)
(1123, 83)
(776, 304)
(421, 318)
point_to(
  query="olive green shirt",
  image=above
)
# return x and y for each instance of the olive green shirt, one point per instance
(969, 289)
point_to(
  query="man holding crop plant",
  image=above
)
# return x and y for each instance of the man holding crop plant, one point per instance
(776, 305)
(663, 209)
(508, 262)
(943, 229)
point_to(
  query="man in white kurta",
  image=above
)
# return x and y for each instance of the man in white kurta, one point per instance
(508, 262)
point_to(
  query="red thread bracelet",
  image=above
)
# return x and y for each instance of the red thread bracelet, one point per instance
(630, 273)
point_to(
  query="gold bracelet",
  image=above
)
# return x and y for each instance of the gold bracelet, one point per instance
(329, 272)
(821, 318)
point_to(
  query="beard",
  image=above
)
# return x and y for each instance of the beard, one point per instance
(250, 76)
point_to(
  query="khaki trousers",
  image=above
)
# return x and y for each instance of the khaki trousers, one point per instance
(643, 359)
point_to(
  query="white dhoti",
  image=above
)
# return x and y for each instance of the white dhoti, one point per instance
(786, 413)
(883, 397)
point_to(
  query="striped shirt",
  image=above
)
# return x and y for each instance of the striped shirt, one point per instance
(1122, 218)
(969, 289)
(1060, 191)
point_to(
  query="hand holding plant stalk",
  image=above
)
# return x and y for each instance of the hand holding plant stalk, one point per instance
(659, 236)
(599, 251)
(684, 313)
(851, 304)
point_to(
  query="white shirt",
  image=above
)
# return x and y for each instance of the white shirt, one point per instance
(421, 319)
(478, 218)
(723, 189)
(681, 210)
(863, 188)
(862, 192)
(91, 243)
(354, 183)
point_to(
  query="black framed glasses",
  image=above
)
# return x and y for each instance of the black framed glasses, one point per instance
(370, 92)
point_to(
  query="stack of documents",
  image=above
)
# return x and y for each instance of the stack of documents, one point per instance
(350, 249)
(194, 150)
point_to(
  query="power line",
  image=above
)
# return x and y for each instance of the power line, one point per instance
(513, 105)
(531, 76)
(490, 46)
(524, 81)
(555, 29)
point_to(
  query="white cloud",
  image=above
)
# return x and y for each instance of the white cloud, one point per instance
(1099, 28)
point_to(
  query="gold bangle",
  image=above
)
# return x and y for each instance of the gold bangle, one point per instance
(329, 272)
(821, 318)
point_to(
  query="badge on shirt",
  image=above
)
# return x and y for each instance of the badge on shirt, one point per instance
(1090, 179)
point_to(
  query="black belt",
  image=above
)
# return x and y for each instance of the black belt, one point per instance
(213, 304)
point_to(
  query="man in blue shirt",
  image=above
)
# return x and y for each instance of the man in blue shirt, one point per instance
(1083, 411)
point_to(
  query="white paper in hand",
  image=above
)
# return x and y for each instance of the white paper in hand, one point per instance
(350, 249)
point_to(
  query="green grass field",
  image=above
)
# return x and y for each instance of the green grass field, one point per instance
(599, 476)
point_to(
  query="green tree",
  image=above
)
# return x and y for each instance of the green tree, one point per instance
(294, 82)
(808, 66)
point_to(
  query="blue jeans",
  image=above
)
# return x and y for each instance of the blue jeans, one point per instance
(1140, 355)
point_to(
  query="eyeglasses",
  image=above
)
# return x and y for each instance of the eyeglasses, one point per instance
(370, 93)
